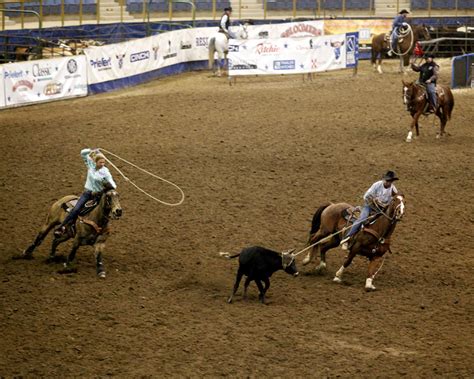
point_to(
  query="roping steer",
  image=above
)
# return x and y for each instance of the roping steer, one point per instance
(258, 264)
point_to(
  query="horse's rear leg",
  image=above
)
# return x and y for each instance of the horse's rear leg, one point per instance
(346, 264)
(98, 249)
(374, 266)
(443, 120)
(28, 252)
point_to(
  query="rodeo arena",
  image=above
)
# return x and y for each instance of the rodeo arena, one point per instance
(246, 189)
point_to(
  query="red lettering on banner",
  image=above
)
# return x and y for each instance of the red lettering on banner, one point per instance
(266, 48)
(301, 28)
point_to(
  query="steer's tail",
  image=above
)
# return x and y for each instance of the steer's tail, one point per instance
(227, 255)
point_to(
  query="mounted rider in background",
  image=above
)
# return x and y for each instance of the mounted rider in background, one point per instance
(224, 23)
(428, 77)
(398, 22)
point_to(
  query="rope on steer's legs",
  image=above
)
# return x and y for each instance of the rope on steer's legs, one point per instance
(146, 172)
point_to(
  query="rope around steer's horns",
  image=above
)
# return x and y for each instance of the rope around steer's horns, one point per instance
(325, 239)
(146, 172)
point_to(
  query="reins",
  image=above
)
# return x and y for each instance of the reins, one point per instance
(146, 172)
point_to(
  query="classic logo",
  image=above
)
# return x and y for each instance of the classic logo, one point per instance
(242, 66)
(39, 71)
(288, 64)
(22, 85)
(263, 34)
(120, 58)
(13, 74)
(71, 66)
(233, 48)
(141, 56)
(53, 88)
(101, 63)
(185, 45)
(301, 30)
(266, 48)
(351, 44)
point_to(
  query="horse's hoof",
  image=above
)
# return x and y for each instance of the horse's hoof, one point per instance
(337, 280)
(24, 256)
(56, 259)
(67, 269)
(101, 274)
(369, 288)
(229, 300)
(408, 140)
(306, 261)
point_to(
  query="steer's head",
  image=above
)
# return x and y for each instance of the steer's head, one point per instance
(288, 262)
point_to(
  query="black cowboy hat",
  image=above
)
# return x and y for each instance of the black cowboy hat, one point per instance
(390, 176)
(403, 11)
(228, 9)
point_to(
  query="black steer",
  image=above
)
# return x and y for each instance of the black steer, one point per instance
(258, 264)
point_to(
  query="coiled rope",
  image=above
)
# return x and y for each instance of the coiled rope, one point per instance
(146, 172)
(403, 34)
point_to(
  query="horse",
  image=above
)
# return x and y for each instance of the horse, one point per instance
(220, 44)
(404, 48)
(414, 97)
(372, 241)
(92, 229)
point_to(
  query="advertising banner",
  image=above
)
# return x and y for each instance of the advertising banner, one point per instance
(285, 30)
(367, 28)
(2, 89)
(44, 80)
(292, 55)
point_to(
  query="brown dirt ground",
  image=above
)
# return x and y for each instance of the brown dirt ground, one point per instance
(255, 160)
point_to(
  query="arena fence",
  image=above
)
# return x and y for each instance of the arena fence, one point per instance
(462, 73)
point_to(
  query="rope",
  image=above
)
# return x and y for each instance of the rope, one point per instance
(381, 264)
(327, 238)
(146, 172)
(403, 34)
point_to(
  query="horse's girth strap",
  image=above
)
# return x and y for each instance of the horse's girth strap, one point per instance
(96, 227)
(373, 232)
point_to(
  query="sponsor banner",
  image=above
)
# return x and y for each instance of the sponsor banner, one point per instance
(285, 30)
(292, 55)
(2, 89)
(367, 28)
(44, 80)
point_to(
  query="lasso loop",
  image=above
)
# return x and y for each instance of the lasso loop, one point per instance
(403, 34)
(146, 172)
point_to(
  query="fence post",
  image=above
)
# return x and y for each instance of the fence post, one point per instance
(343, 8)
(240, 9)
(294, 8)
(264, 9)
(170, 10)
(62, 12)
(80, 11)
(22, 18)
(213, 9)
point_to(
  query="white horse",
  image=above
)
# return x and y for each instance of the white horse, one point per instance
(220, 45)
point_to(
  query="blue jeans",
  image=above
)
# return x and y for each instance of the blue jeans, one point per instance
(394, 39)
(72, 216)
(364, 213)
(431, 89)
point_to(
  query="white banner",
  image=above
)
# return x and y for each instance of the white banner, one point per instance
(286, 30)
(292, 55)
(2, 89)
(44, 80)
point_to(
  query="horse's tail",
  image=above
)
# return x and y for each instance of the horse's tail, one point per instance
(316, 223)
(227, 255)
(450, 104)
(212, 50)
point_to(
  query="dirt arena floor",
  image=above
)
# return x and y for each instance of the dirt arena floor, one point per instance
(255, 161)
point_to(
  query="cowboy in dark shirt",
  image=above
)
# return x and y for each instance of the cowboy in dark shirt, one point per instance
(428, 77)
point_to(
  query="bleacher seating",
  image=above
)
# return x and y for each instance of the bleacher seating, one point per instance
(312, 4)
(136, 6)
(53, 7)
(441, 4)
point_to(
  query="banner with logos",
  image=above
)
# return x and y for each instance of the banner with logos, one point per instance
(367, 28)
(285, 30)
(2, 89)
(292, 55)
(44, 80)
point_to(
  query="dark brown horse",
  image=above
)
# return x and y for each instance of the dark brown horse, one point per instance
(414, 97)
(372, 241)
(404, 48)
(92, 229)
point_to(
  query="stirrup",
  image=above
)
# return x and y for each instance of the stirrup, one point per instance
(59, 232)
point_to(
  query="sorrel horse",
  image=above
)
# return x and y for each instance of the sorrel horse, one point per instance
(404, 47)
(92, 229)
(414, 97)
(372, 241)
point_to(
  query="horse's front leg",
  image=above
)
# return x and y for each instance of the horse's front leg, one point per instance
(443, 120)
(98, 249)
(69, 266)
(374, 266)
(346, 264)
(414, 125)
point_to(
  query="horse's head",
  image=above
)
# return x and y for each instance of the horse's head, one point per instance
(408, 92)
(112, 205)
(396, 209)
(242, 32)
(422, 32)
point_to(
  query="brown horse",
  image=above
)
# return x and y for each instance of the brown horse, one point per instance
(92, 229)
(372, 241)
(404, 48)
(414, 97)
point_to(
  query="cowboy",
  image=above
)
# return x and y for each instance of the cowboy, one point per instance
(398, 22)
(98, 180)
(225, 22)
(377, 196)
(428, 77)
